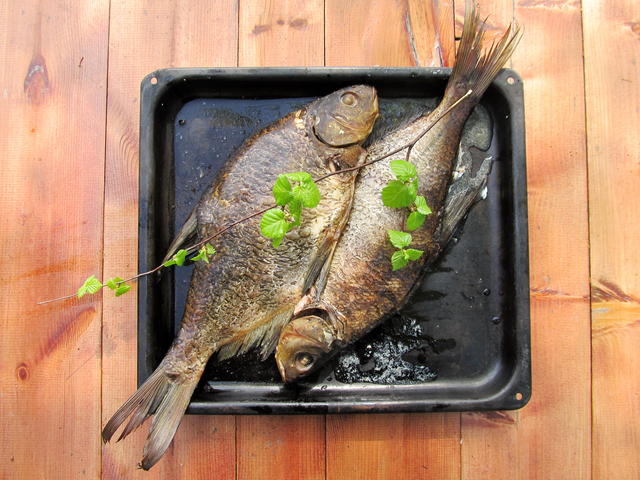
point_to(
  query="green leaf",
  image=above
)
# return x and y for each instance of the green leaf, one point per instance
(177, 259)
(309, 194)
(413, 189)
(200, 256)
(295, 208)
(415, 220)
(112, 283)
(399, 260)
(413, 254)
(273, 225)
(282, 191)
(421, 205)
(399, 239)
(180, 257)
(203, 253)
(91, 285)
(301, 177)
(398, 195)
(405, 171)
(122, 289)
(277, 241)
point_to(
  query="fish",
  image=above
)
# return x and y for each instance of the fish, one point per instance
(248, 290)
(360, 290)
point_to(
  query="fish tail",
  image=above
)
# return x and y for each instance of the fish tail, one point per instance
(161, 396)
(474, 68)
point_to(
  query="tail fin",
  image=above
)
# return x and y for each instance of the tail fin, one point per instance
(159, 394)
(474, 69)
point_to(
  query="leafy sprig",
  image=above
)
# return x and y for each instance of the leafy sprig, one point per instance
(401, 257)
(92, 285)
(403, 193)
(119, 285)
(276, 222)
(204, 252)
(419, 212)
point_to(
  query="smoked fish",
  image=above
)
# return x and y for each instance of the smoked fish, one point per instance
(248, 291)
(360, 289)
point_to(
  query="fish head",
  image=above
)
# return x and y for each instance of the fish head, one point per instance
(345, 117)
(305, 344)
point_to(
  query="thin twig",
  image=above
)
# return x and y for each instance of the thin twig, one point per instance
(56, 299)
(195, 247)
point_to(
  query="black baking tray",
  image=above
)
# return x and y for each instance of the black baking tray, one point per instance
(462, 342)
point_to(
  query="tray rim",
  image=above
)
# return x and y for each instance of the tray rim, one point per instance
(508, 84)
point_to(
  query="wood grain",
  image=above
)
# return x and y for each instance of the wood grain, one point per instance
(431, 30)
(146, 36)
(612, 78)
(401, 447)
(281, 33)
(283, 447)
(52, 118)
(536, 441)
(388, 33)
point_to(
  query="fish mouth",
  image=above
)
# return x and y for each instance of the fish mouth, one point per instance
(359, 126)
(298, 334)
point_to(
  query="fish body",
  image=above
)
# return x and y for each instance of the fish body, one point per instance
(360, 289)
(248, 291)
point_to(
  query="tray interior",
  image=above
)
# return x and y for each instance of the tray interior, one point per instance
(462, 342)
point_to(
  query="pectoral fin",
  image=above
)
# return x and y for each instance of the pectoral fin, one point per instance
(185, 236)
(464, 191)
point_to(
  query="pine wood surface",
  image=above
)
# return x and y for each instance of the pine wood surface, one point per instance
(69, 120)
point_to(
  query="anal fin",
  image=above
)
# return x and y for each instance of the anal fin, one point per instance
(265, 336)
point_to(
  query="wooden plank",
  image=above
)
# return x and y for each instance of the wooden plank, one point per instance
(385, 33)
(281, 33)
(612, 76)
(52, 121)
(550, 437)
(146, 36)
(391, 446)
(403, 446)
(283, 447)
(431, 31)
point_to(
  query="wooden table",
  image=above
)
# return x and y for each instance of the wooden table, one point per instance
(69, 116)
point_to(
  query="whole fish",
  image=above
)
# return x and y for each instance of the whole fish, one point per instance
(243, 297)
(360, 289)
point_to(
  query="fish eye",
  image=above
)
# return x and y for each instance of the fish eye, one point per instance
(350, 99)
(304, 361)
